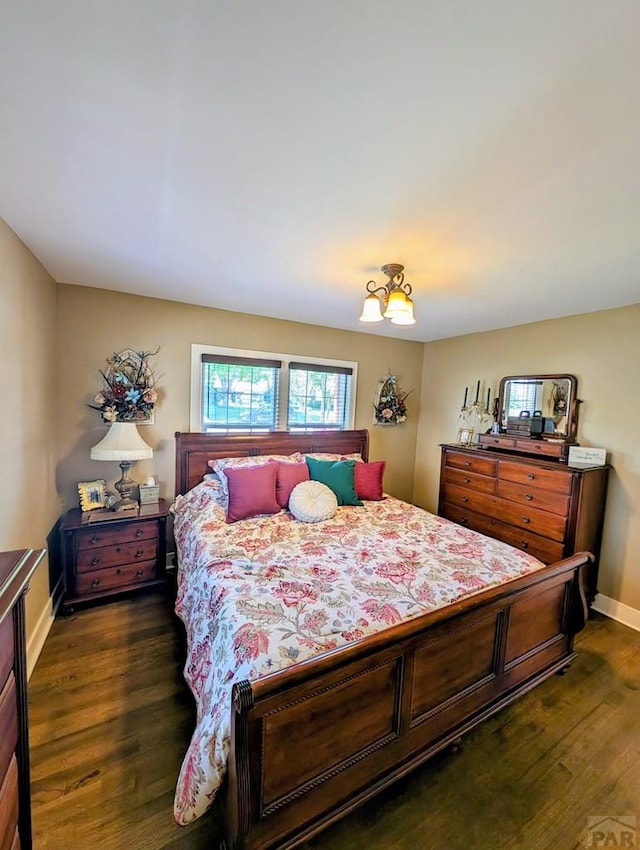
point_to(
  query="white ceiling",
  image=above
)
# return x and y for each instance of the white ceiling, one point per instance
(269, 156)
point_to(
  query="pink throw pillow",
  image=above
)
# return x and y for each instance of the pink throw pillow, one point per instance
(252, 491)
(288, 475)
(368, 480)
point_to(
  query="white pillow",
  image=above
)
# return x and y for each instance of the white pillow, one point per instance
(312, 501)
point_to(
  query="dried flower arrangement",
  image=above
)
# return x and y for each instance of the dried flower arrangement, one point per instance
(390, 407)
(129, 394)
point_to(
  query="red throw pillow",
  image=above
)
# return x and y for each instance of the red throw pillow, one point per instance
(368, 480)
(252, 491)
(287, 476)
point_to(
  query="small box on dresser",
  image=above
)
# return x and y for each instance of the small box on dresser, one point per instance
(123, 553)
(542, 506)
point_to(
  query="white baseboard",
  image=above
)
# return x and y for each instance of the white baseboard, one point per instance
(41, 631)
(624, 614)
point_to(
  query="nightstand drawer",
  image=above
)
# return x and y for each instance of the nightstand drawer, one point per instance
(6, 648)
(9, 807)
(8, 723)
(110, 556)
(92, 538)
(116, 577)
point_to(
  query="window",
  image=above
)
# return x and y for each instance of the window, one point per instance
(239, 393)
(318, 396)
(524, 395)
(243, 391)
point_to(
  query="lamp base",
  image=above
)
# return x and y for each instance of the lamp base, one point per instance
(126, 505)
(125, 486)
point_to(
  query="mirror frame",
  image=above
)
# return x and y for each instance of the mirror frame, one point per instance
(572, 405)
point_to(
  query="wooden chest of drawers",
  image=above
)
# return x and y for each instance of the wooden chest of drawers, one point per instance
(124, 553)
(544, 507)
(16, 569)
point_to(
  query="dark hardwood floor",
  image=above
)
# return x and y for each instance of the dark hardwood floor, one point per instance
(110, 721)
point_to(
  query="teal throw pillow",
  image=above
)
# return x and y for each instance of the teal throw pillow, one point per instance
(338, 475)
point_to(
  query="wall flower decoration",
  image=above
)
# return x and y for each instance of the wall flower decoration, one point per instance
(129, 393)
(389, 407)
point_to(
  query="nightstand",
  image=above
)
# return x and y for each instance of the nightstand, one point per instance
(123, 553)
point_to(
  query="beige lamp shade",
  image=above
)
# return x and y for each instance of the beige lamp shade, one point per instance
(371, 309)
(122, 442)
(405, 317)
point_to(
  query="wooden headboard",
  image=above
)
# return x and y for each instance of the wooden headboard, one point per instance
(193, 451)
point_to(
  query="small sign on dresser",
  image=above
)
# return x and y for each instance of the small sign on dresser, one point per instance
(586, 456)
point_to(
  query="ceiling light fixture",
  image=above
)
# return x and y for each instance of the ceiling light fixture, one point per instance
(394, 298)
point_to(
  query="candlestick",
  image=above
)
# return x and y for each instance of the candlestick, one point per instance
(477, 392)
(466, 390)
(488, 398)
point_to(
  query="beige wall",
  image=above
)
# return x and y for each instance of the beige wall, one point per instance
(601, 349)
(29, 505)
(94, 323)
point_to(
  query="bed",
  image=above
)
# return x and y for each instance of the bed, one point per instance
(309, 742)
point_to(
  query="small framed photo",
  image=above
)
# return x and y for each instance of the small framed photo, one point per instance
(93, 494)
(465, 436)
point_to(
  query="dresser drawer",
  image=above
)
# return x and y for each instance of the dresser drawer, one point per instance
(542, 548)
(531, 519)
(464, 478)
(115, 578)
(6, 648)
(9, 807)
(546, 500)
(465, 460)
(109, 556)
(92, 538)
(538, 447)
(548, 479)
(8, 723)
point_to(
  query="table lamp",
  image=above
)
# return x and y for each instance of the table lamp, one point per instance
(123, 444)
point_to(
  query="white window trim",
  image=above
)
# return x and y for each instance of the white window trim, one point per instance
(197, 350)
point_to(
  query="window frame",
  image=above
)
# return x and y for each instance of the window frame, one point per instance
(198, 349)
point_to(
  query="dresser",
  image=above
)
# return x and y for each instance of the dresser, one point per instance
(16, 569)
(125, 552)
(543, 507)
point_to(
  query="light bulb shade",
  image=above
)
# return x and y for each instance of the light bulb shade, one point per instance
(371, 309)
(122, 442)
(407, 317)
(396, 305)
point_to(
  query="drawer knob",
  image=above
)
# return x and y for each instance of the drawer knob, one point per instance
(465, 498)
(526, 519)
(528, 497)
(118, 571)
(467, 463)
(139, 532)
(464, 519)
(93, 540)
(139, 573)
(95, 582)
(530, 476)
(95, 561)
(467, 481)
(524, 544)
(139, 553)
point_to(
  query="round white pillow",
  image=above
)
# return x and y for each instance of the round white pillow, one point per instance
(312, 501)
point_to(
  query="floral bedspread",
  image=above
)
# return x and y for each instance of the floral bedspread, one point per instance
(261, 594)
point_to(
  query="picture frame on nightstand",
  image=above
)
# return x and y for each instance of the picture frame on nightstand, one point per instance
(92, 494)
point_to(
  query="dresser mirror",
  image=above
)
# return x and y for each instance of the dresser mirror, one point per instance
(544, 405)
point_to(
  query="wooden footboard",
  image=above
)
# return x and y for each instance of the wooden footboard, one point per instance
(314, 741)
